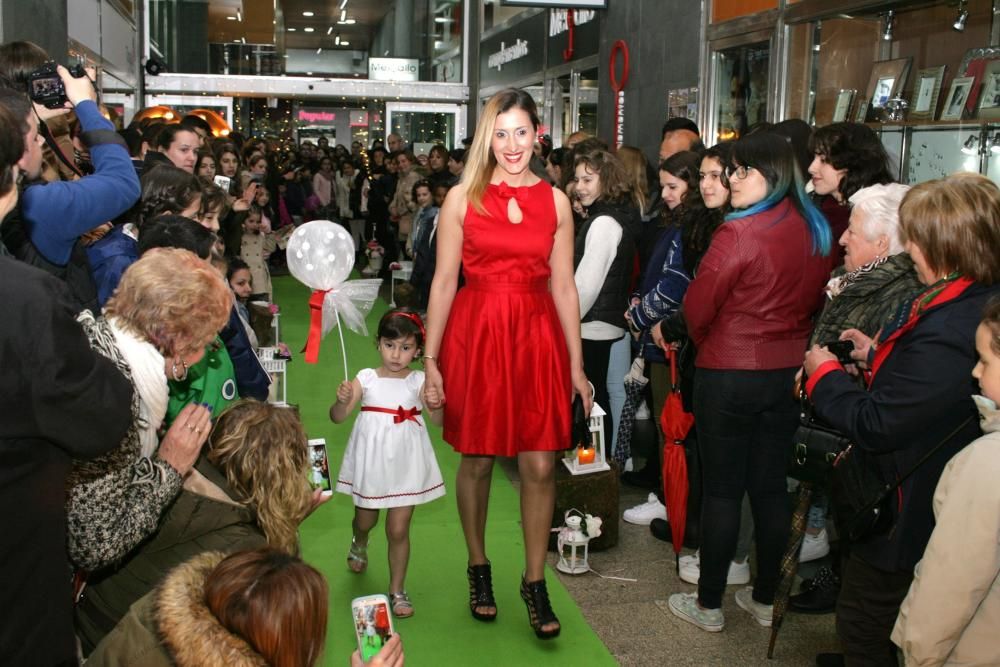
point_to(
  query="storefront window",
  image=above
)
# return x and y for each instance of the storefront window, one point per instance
(494, 13)
(741, 78)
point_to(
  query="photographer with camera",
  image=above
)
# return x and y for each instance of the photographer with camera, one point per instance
(45, 228)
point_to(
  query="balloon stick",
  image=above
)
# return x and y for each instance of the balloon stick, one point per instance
(343, 349)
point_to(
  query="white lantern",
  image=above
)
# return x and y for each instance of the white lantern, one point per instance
(583, 460)
(573, 542)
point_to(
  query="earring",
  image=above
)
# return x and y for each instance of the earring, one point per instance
(179, 377)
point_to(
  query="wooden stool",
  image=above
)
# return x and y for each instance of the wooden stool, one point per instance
(595, 493)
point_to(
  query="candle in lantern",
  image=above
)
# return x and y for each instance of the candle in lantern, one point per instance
(585, 455)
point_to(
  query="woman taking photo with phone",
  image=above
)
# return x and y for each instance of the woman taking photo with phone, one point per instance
(503, 354)
(749, 311)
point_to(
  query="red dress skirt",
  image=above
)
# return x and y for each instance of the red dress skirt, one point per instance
(503, 357)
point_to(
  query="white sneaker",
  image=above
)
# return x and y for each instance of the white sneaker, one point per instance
(762, 613)
(643, 515)
(814, 546)
(685, 606)
(690, 571)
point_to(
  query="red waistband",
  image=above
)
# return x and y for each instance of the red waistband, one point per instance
(497, 283)
(399, 414)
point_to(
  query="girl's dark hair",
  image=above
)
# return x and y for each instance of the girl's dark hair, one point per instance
(213, 198)
(11, 146)
(235, 264)
(202, 154)
(18, 59)
(176, 231)
(773, 158)
(797, 132)
(401, 323)
(438, 148)
(684, 165)
(856, 148)
(422, 183)
(557, 155)
(991, 318)
(165, 188)
(615, 183)
(723, 152)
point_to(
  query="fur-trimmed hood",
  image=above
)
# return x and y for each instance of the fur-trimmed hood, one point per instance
(191, 633)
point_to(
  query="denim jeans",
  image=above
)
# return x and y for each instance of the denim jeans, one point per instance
(618, 365)
(746, 420)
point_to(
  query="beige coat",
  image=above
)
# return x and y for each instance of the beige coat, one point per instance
(951, 615)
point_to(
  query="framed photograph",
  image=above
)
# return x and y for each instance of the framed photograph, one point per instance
(926, 91)
(989, 94)
(958, 96)
(887, 80)
(975, 64)
(843, 108)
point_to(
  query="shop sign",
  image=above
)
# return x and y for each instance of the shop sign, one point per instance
(316, 117)
(573, 34)
(515, 53)
(394, 69)
(618, 87)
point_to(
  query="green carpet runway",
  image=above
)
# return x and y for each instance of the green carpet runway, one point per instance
(442, 631)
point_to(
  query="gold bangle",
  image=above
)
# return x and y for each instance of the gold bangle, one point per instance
(427, 356)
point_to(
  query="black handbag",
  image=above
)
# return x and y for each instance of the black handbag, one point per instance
(815, 447)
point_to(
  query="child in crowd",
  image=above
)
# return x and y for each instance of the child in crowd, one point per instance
(426, 212)
(268, 218)
(425, 250)
(241, 282)
(256, 246)
(212, 209)
(949, 616)
(389, 462)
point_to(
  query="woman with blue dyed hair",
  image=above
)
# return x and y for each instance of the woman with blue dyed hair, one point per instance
(749, 312)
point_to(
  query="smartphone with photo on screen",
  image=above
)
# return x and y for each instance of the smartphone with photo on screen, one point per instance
(223, 182)
(319, 461)
(372, 624)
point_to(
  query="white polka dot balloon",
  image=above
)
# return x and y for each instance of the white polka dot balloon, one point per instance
(321, 254)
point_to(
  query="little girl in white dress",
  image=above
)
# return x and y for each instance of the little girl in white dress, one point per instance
(389, 462)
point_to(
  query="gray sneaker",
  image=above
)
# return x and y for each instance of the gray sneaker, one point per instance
(685, 606)
(761, 613)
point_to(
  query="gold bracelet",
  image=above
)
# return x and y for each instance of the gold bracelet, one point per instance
(427, 356)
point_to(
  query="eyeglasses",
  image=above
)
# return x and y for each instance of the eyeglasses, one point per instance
(740, 173)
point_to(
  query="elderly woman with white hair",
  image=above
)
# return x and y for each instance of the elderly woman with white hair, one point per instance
(877, 276)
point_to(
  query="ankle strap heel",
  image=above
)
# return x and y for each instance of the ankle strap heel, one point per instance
(536, 599)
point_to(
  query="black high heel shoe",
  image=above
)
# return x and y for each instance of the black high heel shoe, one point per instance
(481, 591)
(536, 599)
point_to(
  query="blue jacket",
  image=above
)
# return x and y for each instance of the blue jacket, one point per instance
(109, 257)
(55, 214)
(662, 289)
(252, 381)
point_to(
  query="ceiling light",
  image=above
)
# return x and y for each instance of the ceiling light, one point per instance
(337, 40)
(343, 4)
(442, 19)
(329, 30)
(243, 39)
(343, 14)
(349, 22)
(963, 16)
(308, 29)
(969, 148)
(890, 19)
(319, 50)
(239, 16)
(307, 13)
(345, 43)
(291, 30)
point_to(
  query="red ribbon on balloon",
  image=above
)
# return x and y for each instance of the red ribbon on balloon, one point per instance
(315, 325)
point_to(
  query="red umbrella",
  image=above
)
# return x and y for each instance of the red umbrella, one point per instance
(675, 423)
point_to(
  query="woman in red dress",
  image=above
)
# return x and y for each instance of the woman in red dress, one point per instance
(503, 353)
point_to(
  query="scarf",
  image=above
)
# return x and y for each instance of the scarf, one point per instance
(838, 284)
(149, 382)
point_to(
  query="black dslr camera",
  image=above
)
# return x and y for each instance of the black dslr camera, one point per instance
(46, 88)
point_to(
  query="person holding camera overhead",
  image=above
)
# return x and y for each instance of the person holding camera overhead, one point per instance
(45, 228)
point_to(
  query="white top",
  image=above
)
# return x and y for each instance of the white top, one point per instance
(599, 250)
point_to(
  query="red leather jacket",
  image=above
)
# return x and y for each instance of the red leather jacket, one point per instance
(751, 304)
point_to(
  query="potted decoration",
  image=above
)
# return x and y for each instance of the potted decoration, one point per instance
(375, 253)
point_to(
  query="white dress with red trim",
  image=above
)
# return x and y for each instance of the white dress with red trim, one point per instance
(389, 460)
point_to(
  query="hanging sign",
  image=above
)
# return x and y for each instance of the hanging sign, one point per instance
(618, 87)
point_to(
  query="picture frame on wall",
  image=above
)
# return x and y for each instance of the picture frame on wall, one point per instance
(886, 82)
(989, 94)
(974, 64)
(842, 110)
(958, 96)
(926, 93)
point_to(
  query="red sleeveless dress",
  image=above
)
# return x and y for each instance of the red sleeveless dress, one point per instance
(503, 357)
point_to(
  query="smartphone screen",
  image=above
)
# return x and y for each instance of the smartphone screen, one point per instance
(223, 182)
(372, 624)
(320, 465)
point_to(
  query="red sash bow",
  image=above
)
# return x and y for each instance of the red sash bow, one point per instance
(399, 414)
(315, 326)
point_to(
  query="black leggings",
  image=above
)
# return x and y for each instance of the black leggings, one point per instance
(596, 355)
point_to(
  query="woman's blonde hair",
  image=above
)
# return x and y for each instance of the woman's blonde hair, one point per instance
(262, 451)
(636, 167)
(480, 161)
(274, 602)
(173, 299)
(955, 221)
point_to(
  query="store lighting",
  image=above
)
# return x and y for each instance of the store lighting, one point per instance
(343, 14)
(239, 16)
(329, 30)
(442, 19)
(309, 29)
(230, 18)
(307, 14)
(969, 148)
(291, 29)
(890, 19)
(337, 39)
(343, 4)
(349, 21)
(345, 43)
(963, 16)
(319, 50)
